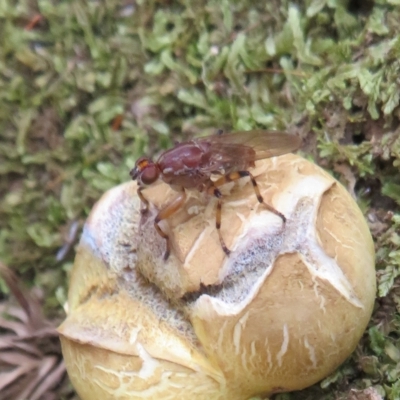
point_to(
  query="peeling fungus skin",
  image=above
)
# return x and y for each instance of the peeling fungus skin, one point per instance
(285, 309)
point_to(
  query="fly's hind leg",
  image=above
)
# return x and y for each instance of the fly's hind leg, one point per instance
(165, 213)
(233, 176)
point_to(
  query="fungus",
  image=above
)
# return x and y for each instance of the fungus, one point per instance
(285, 309)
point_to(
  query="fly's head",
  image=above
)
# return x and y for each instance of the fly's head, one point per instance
(145, 171)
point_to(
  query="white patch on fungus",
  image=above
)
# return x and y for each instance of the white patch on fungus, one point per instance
(237, 331)
(134, 335)
(284, 345)
(149, 364)
(311, 353)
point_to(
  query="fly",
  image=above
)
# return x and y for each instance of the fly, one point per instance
(190, 165)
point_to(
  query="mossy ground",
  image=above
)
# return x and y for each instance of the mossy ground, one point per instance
(88, 86)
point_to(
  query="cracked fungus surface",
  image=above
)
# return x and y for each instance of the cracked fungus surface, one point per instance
(282, 312)
(257, 252)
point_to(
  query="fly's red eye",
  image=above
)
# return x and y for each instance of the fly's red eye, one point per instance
(149, 174)
(140, 165)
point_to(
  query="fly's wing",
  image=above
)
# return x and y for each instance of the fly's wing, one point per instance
(266, 144)
(237, 151)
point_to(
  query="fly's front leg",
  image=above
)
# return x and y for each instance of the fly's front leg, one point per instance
(167, 212)
(233, 176)
(143, 200)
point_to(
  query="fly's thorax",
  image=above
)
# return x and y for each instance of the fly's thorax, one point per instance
(181, 166)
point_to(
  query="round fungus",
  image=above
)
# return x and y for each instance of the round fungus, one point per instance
(285, 309)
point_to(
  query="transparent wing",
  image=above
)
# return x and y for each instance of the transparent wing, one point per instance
(237, 151)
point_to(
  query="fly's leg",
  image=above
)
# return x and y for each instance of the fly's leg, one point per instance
(233, 176)
(143, 200)
(212, 189)
(165, 213)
